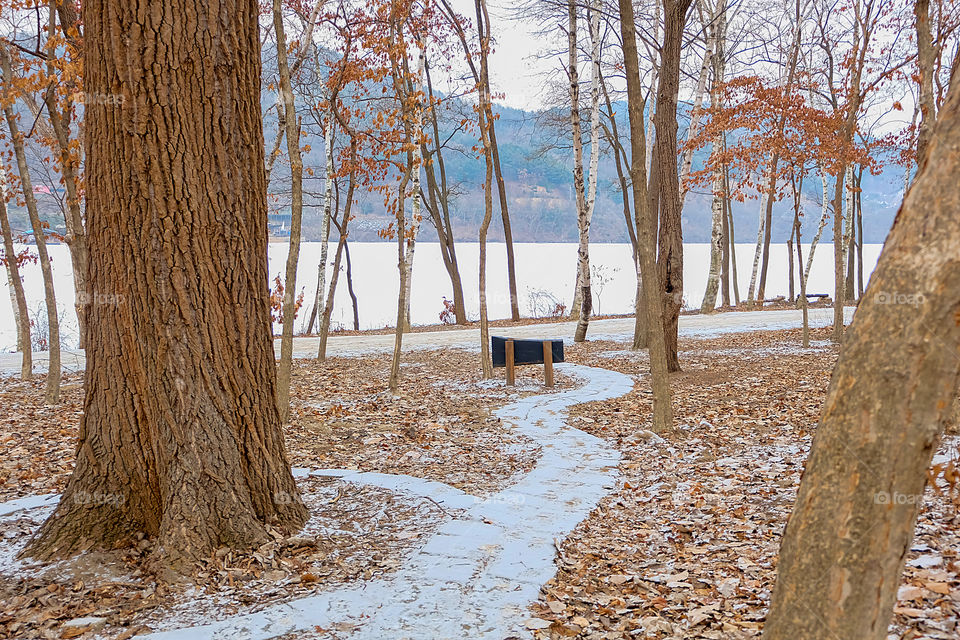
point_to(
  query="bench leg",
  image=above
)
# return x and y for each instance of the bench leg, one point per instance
(511, 373)
(548, 362)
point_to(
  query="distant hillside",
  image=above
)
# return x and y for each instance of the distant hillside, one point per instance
(542, 209)
(540, 190)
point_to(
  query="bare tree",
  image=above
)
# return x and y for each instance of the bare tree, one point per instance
(646, 224)
(15, 283)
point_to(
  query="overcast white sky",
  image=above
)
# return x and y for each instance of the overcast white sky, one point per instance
(514, 68)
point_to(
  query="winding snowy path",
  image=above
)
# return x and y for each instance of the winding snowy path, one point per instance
(477, 574)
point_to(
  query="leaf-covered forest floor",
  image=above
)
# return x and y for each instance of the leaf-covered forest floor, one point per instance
(684, 547)
(440, 427)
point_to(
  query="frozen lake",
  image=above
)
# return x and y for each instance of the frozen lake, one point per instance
(540, 267)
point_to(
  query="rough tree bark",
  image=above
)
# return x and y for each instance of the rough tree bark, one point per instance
(52, 387)
(646, 224)
(889, 399)
(180, 435)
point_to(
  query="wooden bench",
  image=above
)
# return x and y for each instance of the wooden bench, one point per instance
(511, 352)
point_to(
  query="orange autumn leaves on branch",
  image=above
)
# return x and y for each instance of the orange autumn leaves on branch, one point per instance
(751, 108)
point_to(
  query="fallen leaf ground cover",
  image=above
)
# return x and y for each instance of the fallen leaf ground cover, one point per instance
(686, 546)
(440, 426)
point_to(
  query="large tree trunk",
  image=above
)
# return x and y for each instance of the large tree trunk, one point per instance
(180, 434)
(52, 389)
(670, 241)
(17, 296)
(646, 224)
(583, 226)
(889, 399)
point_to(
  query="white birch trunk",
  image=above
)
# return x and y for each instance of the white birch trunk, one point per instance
(847, 225)
(583, 252)
(716, 238)
(320, 303)
(415, 189)
(824, 216)
(694, 127)
(573, 74)
(651, 102)
(756, 254)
